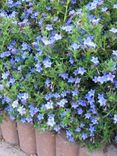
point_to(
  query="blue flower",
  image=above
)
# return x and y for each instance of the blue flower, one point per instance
(84, 136)
(51, 121)
(7, 99)
(80, 71)
(115, 83)
(94, 121)
(11, 45)
(24, 55)
(9, 110)
(95, 21)
(91, 101)
(75, 46)
(56, 95)
(75, 92)
(46, 41)
(78, 129)
(48, 8)
(95, 60)
(12, 81)
(64, 93)
(34, 15)
(67, 28)
(87, 115)
(115, 6)
(23, 120)
(89, 43)
(29, 11)
(36, 46)
(38, 67)
(114, 30)
(100, 79)
(1, 87)
(57, 128)
(104, 9)
(5, 54)
(74, 105)
(49, 27)
(25, 96)
(17, 59)
(110, 77)
(29, 119)
(14, 51)
(71, 60)
(71, 80)
(5, 75)
(47, 62)
(10, 2)
(15, 104)
(49, 105)
(48, 82)
(62, 102)
(93, 5)
(101, 100)
(92, 129)
(95, 79)
(40, 117)
(57, 37)
(116, 138)
(82, 102)
(12, 117)
(115, 118)
(69, 136)
(115, 53)
(48, 96)
(21, 110)
(77, 80)
(73, 1)
(33, 110)
(90, 94)
(25, 46)
(93, 110)
(64, 75)
(79, 111)
(72, 12)
(71, 139)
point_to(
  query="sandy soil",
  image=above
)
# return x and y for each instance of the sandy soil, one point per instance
(8, 150)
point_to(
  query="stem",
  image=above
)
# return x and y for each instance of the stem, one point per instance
(66, 10)
(108, 113)
(58, 5)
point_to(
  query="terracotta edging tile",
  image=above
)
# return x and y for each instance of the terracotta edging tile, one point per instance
(46, 143)
(27, 139)
(65, 148)
(9, 131)
(0, 132)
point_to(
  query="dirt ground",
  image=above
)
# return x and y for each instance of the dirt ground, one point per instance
(8, 150)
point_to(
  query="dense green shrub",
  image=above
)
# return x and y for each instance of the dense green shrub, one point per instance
(58, 66)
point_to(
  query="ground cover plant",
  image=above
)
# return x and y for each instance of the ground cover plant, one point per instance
(58, 67)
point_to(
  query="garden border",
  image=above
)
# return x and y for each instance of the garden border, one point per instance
(44, 143)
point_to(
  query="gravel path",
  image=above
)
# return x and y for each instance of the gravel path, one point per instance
(8, 150)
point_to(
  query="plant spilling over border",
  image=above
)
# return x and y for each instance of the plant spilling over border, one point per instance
(58, 66)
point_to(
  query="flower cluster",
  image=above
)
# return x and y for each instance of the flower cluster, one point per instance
(58, 66)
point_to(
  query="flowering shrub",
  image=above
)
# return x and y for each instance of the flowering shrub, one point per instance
(58, 67)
